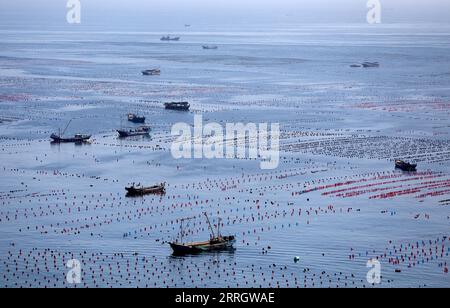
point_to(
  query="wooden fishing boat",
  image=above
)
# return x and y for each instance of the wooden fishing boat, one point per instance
(136, 191)
(77, 138)
(140, 131)
(400, 164)
(217, 242)
(180, 106)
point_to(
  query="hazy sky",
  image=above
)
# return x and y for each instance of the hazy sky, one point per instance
(128, 12)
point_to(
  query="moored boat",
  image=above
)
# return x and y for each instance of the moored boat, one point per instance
(135, 191)
(210, 47)
(77, 138)
(152, 72)
(180, 106)
(217, 242)
(135, 118)
(400, 164)
(370, 64)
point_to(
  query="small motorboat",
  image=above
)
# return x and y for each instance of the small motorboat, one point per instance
(217, 242)
(137, 191)
(140, 131)
(180, 106)
(152, 72)
(135, 118)
(400, 164)
(210, 47)
(168, 38)
(370, 64)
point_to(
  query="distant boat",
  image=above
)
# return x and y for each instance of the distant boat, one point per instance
(140, 131)
(208, 47)
(152, 72)
(135, 118)
(400, 164)
(77, 138)
(136, 191)
(370, 64)
(217, 242)
(180, 106)
(187, 25)
(168, 38)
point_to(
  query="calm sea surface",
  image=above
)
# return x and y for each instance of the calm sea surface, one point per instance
(335, 201)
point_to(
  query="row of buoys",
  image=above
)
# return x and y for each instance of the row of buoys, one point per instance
(412, 254)
(364, 178)
(103, 202)
(367, 188)
(372, 147)
(46, 268)
(56, 173)
(394, 187)
(243, 201)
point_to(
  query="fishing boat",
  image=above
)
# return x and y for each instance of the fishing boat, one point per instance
(135, 118)
(77, 138)
(140, 131)
(152, 72)
(400, 164)
(180, 106)
(217, 242)
(136, 191)
(209, 47)
(168, 38)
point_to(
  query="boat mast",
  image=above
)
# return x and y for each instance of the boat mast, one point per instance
(182, 220)
(218, 226)
(181, 231)
(209, 223)
(67, 126)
